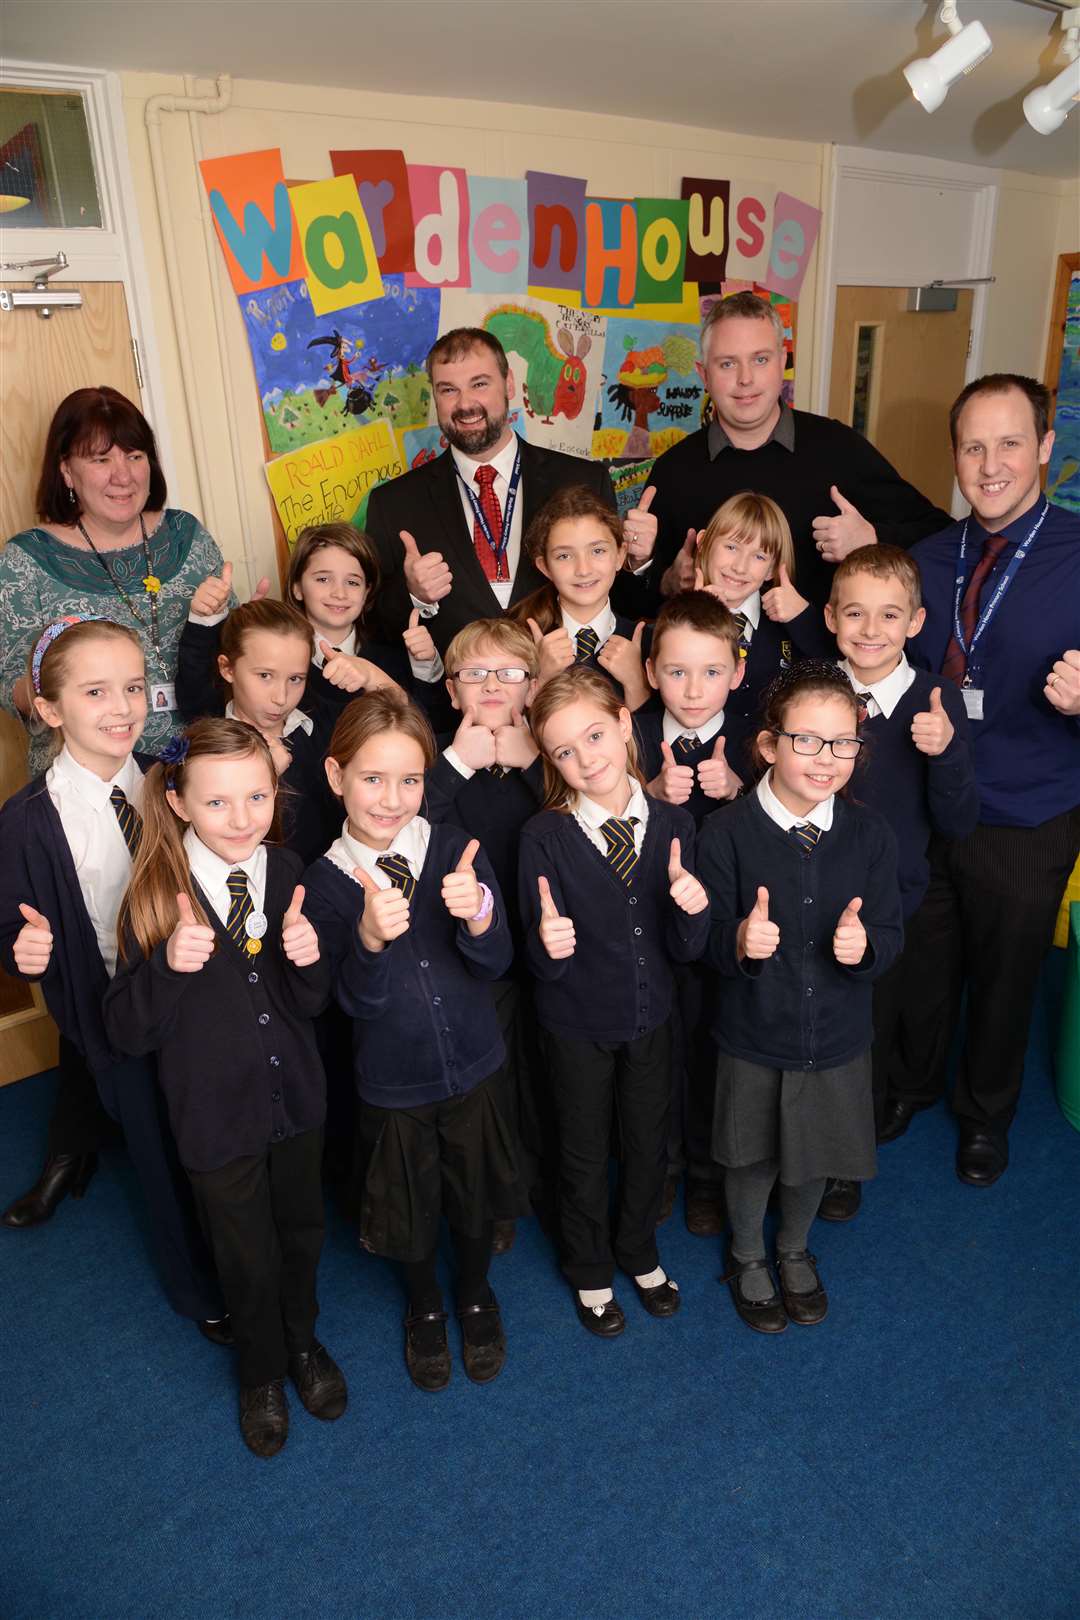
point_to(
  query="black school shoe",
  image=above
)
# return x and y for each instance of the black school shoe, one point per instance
(219, 1332)
(606, 1321)
(841, 1200)
(483, 1342)
(980, 1158)
(705, 1211)
(663, 1300)
(764, 1316)
(319, 1382)
(427, 1354)
(807, 1308)
(264, 1418)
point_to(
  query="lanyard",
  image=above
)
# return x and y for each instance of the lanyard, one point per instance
(151, 584)
(498, 546)
(1002, 586)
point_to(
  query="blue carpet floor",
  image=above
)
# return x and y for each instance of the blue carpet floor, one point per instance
(917, 1455)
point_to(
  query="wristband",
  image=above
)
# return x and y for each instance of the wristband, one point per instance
(487, 904)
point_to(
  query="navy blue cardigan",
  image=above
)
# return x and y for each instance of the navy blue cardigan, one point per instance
(236, 1048)
(649, 731)
(799, 1009)
(36, 869)
(617, 985)
(424, 1030)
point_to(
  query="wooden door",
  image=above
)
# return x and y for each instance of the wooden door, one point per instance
(41, 362)
(895, 375)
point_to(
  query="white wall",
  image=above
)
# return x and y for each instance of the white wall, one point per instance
(1037, 220)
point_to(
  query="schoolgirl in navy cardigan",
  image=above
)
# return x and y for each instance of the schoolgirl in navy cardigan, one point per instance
(65, 857)
(609, 901)
(221, 975)
(413, 924)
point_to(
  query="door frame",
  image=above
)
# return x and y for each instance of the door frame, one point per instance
(113, 253)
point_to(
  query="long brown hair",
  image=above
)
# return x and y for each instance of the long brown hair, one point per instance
(52, 672)
(148, 911)
(384, 709)
(573, 501)
(575, 685)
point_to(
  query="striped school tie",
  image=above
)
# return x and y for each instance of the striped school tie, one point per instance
(863, 700)
(687, 742)
(744, 633)
(498, 772)
(621, 854)
(397, 870)
(806, 835)
(587, 643)
(240, 907)
(129, 819)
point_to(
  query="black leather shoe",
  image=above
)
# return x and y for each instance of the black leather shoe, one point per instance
(503, 1236)
(319, 1382)
(264, 1418)
(606, 1321)
(803, 1308)
(980, 1157)
(65, 1173)
(663, 1300)
(667, 1202)
(704, 1211)
(427, 1354)
(764, 1316)
(219, 1332)
(483, 1346)
(841, 1200)
(895, 1119)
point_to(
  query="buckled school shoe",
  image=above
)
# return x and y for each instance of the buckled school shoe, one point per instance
(805, 1308)
(427, 1357)
(663, 1300)
(483, 1342)
(764, 1316)
(606, 1321)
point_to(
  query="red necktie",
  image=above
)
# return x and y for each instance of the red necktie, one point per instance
(954, 667)
(489, 505)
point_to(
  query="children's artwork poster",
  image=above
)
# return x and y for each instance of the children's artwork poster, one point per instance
(556, 356)
(425, 443)
(629, 479)
(344, 283)
(330, 482)
(318, 374)
(1063, 473)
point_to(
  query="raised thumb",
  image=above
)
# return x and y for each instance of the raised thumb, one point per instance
(34, 918)
(327, 651)
(690, 543)
(411, 548)
(537, 633)
(666, 751)
(674, 866)
(184, 907)
(226, 575)
(365, 880)
(851, 910)
(936, 705)
(639, 631)
(548, 908)
(761, 904)
(293, 913)
(468, 855)
(260, 590)
(840, 501)
(647, 499)
(718, 747)
(783, 575)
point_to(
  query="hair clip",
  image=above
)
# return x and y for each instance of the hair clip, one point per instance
(174, 753)
(48, 636)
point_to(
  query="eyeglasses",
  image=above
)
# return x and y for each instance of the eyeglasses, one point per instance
(473, 677)
(842, 747)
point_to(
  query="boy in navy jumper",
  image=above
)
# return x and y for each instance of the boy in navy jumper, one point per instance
(694, 664)
(917, 768)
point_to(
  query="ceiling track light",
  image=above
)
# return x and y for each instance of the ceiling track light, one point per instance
(931, 76)
(1047, 107)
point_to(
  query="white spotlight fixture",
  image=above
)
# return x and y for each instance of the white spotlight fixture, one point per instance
(931, 76)
(1047, 107)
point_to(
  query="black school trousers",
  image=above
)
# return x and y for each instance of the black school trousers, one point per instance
(986, 923)
(263, 1217)
(693, 1081)
(594, 1085)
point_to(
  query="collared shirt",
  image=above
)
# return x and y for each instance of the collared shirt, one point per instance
(821, 815)
(782, 434)
(885, 694)
(591, 816)
(752, 609)
(603, 624)
(673, 729)
(412, 841)
(100, 855)
(296, 718)
(503, 464)
(347, 645)
(211, 873)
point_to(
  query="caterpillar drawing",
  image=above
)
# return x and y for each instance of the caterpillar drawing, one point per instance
(556, 378)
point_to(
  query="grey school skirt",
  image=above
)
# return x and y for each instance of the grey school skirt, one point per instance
(816, 1123)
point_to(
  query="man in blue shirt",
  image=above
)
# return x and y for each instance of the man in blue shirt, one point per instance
(1002, 597)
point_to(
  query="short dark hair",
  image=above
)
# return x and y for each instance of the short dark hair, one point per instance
(89, 422)
(462, 341)
(700, 611)
(1000, 382)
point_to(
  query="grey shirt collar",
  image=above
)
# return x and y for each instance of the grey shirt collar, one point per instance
(783, 434)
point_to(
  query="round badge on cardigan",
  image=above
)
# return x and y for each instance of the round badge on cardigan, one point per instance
(255, 924)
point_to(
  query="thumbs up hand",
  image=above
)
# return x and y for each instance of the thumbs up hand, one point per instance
(1062, 688)
(639, 527)
(622, 659)
(33, 943)
(680, 576)
(299, 940)
(385, 915)
(849, 941)
(474, 744)
(427, 575)
(555, 650)
(932, 730)
(418, 642)
(556, 933)
(350, 673)
(675, 782)
(461, 892)
(191, 943)
(718, 780)
(212, 596)
(757, 938)
(514, 745)
(783, 603)
(688, 893)
(836, 536)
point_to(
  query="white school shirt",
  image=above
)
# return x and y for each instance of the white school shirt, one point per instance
(752, 608)
(412, 842)
(885, 694)
(821, 815)
(100, 855)
(674, 728)
(591, 816)
(211, 873)
(603, 624)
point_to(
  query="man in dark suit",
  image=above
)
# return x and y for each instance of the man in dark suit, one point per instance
(449, 533)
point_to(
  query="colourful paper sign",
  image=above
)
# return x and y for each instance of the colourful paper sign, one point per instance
(661, 233)
(498, 235)
(382, 183)
(249, 202)
(750, 232)
(795, 228)
(330, 482)
(341, 265)
(556, 229)
(611, 254)
(440, 210)
(707, 229)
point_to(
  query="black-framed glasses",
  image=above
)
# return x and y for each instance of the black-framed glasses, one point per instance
(842, 747)
(474, 677)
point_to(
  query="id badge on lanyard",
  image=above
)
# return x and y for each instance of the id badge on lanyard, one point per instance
(971, 687)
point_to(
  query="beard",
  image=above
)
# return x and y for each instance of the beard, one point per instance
(474, 439)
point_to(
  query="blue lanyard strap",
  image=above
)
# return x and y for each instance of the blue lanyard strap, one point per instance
(1002, 586)
(498, 546)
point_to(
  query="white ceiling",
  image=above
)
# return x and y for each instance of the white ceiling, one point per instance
(818, 70)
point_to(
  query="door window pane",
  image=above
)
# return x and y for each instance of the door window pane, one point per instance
(862, 403)
(46, 164)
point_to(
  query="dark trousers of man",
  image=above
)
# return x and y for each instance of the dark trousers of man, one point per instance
(890, 992)
(593, 1084)
(78, 1122)
(987, 922)
(132, 1096)
(693, 1082)
(264, 1219)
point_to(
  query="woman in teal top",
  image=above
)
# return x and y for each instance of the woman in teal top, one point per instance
(108, 546)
